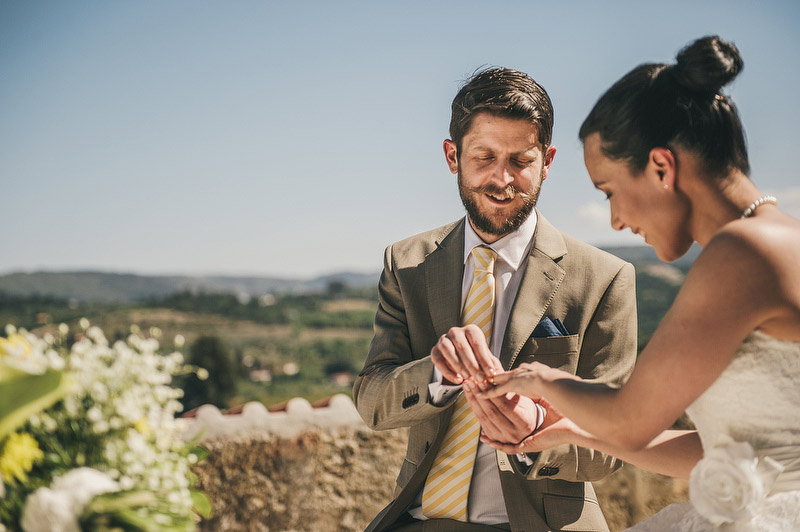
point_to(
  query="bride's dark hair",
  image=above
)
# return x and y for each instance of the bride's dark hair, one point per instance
(659, 105)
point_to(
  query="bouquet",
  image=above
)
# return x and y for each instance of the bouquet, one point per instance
(89, 441)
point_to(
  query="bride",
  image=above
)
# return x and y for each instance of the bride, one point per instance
(668, 150)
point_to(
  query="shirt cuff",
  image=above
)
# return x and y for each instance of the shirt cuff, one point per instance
(522, 457)
(438, 392)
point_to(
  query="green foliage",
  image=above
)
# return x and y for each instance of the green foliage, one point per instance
(654, 296)
(31, 311)
(299, 310)
(208, 352)
(223, 304)
(323, 333)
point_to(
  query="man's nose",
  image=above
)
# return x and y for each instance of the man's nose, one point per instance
(502, 175)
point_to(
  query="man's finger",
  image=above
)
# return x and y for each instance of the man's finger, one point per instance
(488, 424)
(463, 350)
(444, 357)
(495, 422)
(507, 448)
(487, 363)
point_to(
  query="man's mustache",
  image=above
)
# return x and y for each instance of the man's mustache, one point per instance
(510, 192)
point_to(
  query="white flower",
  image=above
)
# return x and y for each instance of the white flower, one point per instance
(57, 508)
(112, 387)
(84, 323)
(81, 485)
(94, 414)
(48, 510)
(96, 333)
(730, 483)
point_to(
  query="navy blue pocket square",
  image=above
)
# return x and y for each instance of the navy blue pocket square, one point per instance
(550, 327)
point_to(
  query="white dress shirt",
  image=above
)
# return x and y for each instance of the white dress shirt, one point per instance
(484, 505)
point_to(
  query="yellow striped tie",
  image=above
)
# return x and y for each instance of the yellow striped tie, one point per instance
(447, 486)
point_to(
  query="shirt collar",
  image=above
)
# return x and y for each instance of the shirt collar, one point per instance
(512, 248)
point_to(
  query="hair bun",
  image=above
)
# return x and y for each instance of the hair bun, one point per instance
(708, 64)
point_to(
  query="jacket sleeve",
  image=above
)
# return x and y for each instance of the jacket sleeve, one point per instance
(607, 355)
(392, 389)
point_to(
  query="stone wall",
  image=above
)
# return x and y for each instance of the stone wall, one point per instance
(306, 469)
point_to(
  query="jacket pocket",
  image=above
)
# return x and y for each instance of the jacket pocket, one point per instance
(573, 513)
(555, 351)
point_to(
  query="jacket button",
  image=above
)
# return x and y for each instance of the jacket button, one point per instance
(548, 471)
(411, 400)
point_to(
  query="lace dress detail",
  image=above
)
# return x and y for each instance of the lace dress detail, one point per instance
(749, 425)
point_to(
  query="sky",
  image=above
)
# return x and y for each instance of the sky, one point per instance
(296, 139)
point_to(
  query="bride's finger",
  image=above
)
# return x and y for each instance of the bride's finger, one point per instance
(500, 377)
(498, 390)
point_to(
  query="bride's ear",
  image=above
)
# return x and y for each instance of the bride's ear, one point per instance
(663, 165)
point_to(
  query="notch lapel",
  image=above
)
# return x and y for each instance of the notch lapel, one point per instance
(444, 273)
(539, 284)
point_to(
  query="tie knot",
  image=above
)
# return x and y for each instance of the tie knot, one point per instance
(484, 259)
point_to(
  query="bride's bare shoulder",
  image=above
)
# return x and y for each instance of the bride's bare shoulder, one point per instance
(764, 252)
(773, 237)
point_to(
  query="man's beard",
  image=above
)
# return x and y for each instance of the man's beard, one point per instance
(485, 223)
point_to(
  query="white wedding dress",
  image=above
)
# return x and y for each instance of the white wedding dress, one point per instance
(749, 424)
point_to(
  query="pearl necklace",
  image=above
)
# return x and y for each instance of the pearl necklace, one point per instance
(750, 210)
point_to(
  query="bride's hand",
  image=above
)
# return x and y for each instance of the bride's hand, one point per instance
(556, 430)
(524, 380)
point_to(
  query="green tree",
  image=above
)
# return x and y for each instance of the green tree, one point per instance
(208, 352)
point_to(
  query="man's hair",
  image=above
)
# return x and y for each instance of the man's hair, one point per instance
(501, 92)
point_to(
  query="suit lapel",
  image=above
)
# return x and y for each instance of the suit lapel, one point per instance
(444, 271)
(539, 283)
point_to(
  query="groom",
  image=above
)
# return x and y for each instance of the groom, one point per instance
(529, 292)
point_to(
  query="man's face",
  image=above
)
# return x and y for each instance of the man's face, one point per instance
(500, 172)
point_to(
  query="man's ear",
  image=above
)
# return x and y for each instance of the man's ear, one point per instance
(663, 165)
(549, 155)
(451, 155)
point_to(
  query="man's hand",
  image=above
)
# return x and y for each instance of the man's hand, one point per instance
(462, 353)
(556, 430)
(509, 419)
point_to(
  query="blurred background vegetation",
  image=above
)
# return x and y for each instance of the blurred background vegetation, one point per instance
(305, 339)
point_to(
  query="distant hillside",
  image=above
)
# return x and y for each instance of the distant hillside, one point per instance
(646, 254)
(120, 287)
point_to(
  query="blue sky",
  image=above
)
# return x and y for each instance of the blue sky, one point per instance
(301, 138)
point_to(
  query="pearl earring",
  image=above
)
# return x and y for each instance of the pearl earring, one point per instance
(666, 187)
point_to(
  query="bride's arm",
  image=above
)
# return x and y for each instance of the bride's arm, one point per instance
(673, 452)
(728, 293)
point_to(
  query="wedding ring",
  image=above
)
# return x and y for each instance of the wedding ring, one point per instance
(491, 381)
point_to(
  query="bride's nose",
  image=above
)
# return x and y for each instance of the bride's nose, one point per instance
(616, 222)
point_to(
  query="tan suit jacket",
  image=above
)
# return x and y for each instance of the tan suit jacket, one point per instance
(591, 291)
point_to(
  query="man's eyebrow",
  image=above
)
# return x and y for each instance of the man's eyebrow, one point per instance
(527, 152)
